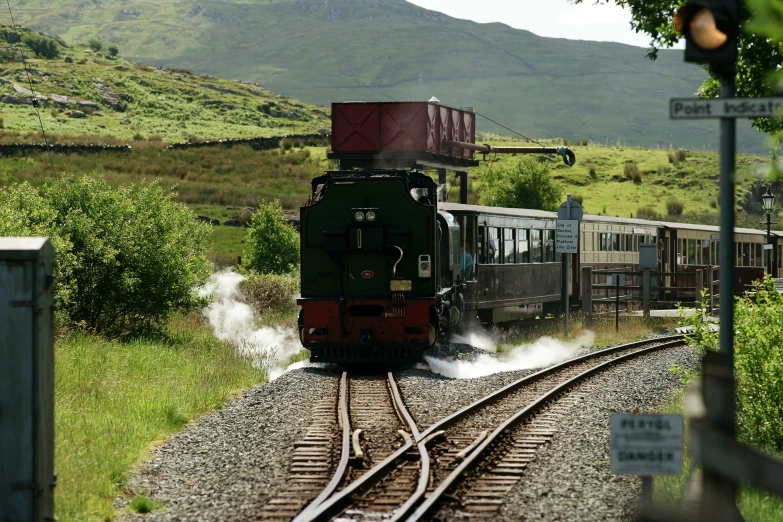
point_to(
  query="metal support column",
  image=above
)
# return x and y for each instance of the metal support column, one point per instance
(463, 187)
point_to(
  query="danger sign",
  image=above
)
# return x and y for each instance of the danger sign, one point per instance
(646, 444)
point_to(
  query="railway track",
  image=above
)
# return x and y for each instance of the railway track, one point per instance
(390, 470)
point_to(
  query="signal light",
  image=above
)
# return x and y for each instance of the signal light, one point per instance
(711, 30)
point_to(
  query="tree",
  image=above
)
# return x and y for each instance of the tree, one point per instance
(528, 184)
(758, 57)
(95, 45)
(42, 46)
(114, 50)
(273, 245)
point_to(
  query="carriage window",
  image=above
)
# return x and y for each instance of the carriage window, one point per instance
(680, 251)
(481, 245)
(745, 259)
(493, 246)
(549, 246)
(759, 255)
(615, 242)
(523, 249)
(509, 250)
(467, 238)
(628, 243)
(691, 252)
(603, 247)
(705, 251)
(535, 246)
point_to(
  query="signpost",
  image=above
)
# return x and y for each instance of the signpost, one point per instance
(646, 445)
(697, 108)
(567, 242)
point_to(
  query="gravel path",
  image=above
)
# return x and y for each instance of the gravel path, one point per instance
(570, 478)
(231, 461)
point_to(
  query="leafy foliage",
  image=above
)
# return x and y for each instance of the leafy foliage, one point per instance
(528, 184)
(95, 45)
(114, 50)
(273, 245)
(758, 362)
(128, 257)
(42, 46)
(270, 291)
(759, 54)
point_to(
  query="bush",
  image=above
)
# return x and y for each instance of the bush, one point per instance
(2, 123)
(270, 291)
(758, 362)
(128, 257)
(681, 154)
(637, 177)
(631, 170)
(114, 50)
(714, 202)
(593, 171)
(95, 45)
(647, 213)
(578, 198)
(674, 207)
(42, 46)
(273, 245)
(528, 184)
(673, 158)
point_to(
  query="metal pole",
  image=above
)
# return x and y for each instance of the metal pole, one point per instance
(647, 493)
(566, 269)
(463, 187)
(728, 141)
(769, 242)
(617, 303)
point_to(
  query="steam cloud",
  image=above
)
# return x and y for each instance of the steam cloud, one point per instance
(543, 352)
(233, 321)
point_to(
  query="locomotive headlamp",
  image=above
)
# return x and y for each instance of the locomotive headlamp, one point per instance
(371, 216)
(359, 216)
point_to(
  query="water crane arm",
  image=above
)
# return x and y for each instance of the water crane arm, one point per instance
(568, 155)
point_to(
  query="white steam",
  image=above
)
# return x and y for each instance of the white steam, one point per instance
(234, 321)
(543, 352)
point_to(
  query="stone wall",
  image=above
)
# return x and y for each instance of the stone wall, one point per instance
(268, 143)
(61, 148)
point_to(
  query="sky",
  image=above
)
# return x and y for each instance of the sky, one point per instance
(555, 18)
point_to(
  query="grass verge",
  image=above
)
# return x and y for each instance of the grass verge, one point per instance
(670, 491)
(114, 398)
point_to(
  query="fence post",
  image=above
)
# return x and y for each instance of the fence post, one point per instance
(699, 284)
(646, 290)
(711, 288)
(587, 293)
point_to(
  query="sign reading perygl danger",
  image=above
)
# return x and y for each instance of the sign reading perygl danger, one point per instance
(567, 237)
(646, 444)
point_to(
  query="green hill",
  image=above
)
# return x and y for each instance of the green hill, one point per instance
(323, 51)
(86, 92)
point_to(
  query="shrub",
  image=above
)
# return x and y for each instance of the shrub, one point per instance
(681, 154)
(593, 172)
(114, 50)
(631, 170)
(714, 202)
(528, 184)
(273, 245)
(664, 169)
(139, 137)
(758, 362)
(42, 45)
(647, 212)
(2, 123)
(270, 291)
(95, 45)
(674, 207)
(128, 257)
(637, 177)
(578, 198)
(673, 158)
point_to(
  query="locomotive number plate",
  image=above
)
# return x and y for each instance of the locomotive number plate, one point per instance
(367, 274)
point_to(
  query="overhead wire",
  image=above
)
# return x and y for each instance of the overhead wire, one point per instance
(33, 95)
(509, 129)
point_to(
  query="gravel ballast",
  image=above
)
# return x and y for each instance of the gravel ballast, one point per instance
(570, 477)
(229, 463)
(226, 466)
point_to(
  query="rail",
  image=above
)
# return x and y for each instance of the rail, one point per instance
(340, 500)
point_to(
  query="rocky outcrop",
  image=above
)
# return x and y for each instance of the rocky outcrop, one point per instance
(108, 95)
(65, 101)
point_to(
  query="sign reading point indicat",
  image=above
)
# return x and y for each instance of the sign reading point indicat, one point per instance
(696, 108)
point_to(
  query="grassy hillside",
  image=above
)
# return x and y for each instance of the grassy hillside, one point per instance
(123, 99)
(392, 50)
